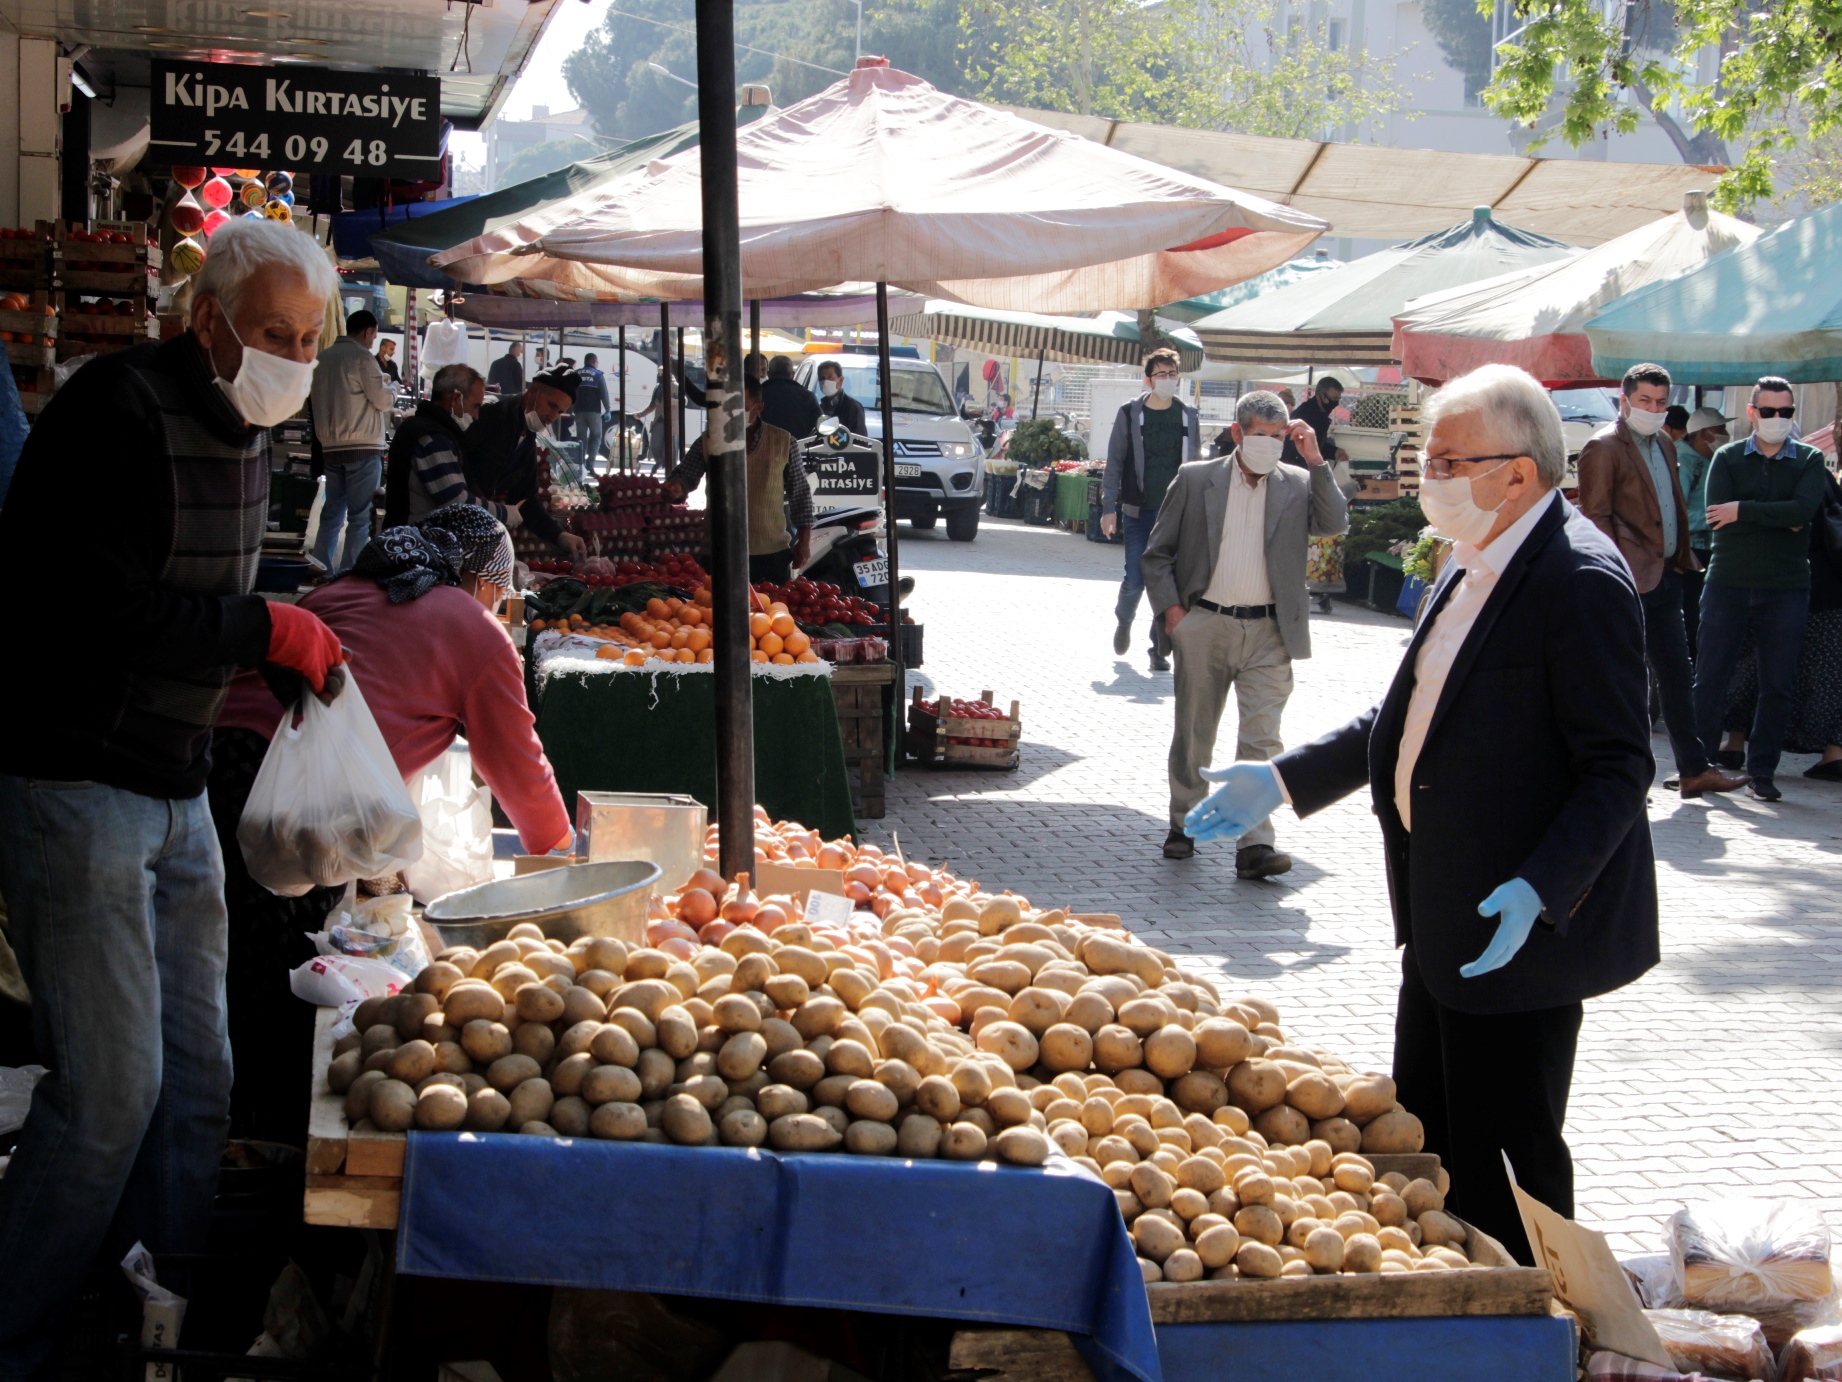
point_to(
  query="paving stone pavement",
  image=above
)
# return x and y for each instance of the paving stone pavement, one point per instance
(1718, 1072)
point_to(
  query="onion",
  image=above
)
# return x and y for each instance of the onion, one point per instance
(710, 881)
(696, 907)
(768, 916)
(712, 933)
(832, 857)
(742, 905)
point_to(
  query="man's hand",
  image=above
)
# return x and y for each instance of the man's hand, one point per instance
(1173, 617)
(674, 491)
(1248, 795)
(299, 640)
(571, 546)
(1299, 433)
(802, 548)
(1720, 515)
(1109, 523)
(1518, 905)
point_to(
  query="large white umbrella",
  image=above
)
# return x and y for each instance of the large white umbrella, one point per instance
(1536, 318)
(881, 178)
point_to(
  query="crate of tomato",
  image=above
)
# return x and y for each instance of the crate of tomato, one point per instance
(970, 734)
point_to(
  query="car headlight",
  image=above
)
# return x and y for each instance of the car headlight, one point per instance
(959, 450)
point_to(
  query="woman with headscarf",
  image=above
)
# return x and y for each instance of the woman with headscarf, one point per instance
(415, 618)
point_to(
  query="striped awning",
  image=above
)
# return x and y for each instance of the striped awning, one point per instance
(1108, 338)
(1300, 349)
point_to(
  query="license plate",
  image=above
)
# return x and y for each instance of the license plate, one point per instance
(874, 572)
(907, 470)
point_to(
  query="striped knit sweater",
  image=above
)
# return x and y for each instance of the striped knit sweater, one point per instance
(137, 514)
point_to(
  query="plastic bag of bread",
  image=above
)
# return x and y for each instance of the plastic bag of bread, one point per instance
(1654, 1277)
(1750, 1255)
(1726, 1346)
(1812, 1353)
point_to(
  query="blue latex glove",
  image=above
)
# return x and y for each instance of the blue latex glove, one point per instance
(1519, 905)
(1248, 795)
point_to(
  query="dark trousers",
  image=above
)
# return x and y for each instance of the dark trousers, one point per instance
(1135, 529)
(1776, 620)
(1666, 645)
(590, 423)
(775, 566)
(1691, 602)
(1486, 1086)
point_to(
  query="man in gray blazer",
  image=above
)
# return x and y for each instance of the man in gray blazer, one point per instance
(1226, 566)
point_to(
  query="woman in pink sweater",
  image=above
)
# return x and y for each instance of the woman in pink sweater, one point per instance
(415, 617)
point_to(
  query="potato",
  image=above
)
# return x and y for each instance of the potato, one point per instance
(566, 1075)
(437, 977)
(1284, 1125)
(742, 1127)
(531, 1100)
(1323, 1248)
(1362, 1253)
(657, 1073)
(850, 1058)
(1090, 1012)
(508, 1072)
(1008, 1107)
(392, 1105)
(1189, 1204)
(1199, 1092)
(708, 1090)
(686, 1121)
(973, 1082)
(1152, 1186)
(937, 1097)
(487, 1111)
(569, 1116)
(1011, 1042)
(830, 1091)
(1395, 1131)
(1353, 1176)
(780, 1037)
(450, 1059)
(1170, 1051)
(440, 1108)
(413, 1060)
(1256, 1085)
(343, 1070)
(1366, 1097)
(1420, 1196)
(1437, 1228)
(581, 1005)
(803, 962)
(963, 1141)
(779, 1100)
(610, 1084)
(1201, 1174)
(868, 1099)
(1257, 1259)
(803, 1132)
(870, 1137)
(613, 1044)
(617, 1122)
(1389, 1209)
(637, 1025)
(1315, 1095)
(1183, 1265)
(800, 1069)
(380, 1036)
(1156, 1238)
(410, 1011)
(998, 914)
(537, 1003)
(1339, 1134)
(1104, 955)
(1260, 1223)
(1117, 1048)
(648, 997)
(918, 1136)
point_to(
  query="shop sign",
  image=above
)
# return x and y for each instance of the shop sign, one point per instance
(850, 474)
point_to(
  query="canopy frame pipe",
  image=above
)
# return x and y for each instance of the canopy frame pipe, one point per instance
(1036, 394)
(684, 405)
(626, 460)
(885, 385)
(725, 438)
(668, 453)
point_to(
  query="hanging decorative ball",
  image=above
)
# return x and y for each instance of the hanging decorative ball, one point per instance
(189, 178)
(215, 194)
(254, 216)
(287, 197)
(186, 258)
(278, 211)
(253, 195)
(188, 216)
(213, 221)
(279, 183)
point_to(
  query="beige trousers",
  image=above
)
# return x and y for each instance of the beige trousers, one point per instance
(1213, 653)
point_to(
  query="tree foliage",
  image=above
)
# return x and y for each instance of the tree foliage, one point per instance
(547, 157)
(1463, 34)
(1777, 82)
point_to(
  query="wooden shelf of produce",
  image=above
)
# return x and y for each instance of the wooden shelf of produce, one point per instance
(111, 270)
(354, 1174)
(1407, 419)
(859, 691)
(30, 338)
(98, 333)
(930, 739)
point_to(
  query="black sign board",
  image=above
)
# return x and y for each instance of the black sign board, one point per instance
(843, 474)
(299, 119)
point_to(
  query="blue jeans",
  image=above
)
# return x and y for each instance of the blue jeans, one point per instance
(116, 907)
(1776, 619)
(1136, 530)
(350, 484)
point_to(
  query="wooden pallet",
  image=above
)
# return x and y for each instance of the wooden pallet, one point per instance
(354, 1174)
(930, 738)
(859, 692)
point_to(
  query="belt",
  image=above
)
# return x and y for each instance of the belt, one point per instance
(1241, 611)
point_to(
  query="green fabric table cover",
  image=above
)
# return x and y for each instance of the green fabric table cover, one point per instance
(1071, 496)
(645, 732)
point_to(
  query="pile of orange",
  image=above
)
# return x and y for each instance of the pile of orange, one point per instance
(773, 636)
(679, 631)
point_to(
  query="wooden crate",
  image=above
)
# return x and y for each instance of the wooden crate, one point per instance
(930, 738)
(859, 693)
(354, 1174)
(1375, 487)
(25, 265)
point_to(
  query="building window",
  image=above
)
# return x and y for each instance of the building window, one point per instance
(1334, 36)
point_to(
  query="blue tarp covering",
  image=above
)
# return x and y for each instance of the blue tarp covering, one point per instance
(1487, 1348)
(953, 1240)
(352, 230)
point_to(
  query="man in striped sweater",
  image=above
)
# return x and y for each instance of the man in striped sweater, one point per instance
(425, 458)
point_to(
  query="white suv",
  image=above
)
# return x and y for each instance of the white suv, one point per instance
(939, 465)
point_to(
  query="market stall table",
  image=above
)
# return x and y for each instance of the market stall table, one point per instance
(1071, 498)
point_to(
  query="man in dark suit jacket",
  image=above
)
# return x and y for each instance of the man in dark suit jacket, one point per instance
(1508, 763)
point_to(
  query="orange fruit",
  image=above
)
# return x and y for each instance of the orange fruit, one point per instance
(634, 657)
(797, 642)
(807, 656)
(657, 608)
(537, 626)
(661, 638)
(686, 655)
(784, 625)
(706, 655)
(698, 640)
(691, 614)
(703, 596)
(673, 605)
(771, 643)
(607, 650)
(778, 608)
(681, 638)
(759, 624)
(785, 659)
(757, 656)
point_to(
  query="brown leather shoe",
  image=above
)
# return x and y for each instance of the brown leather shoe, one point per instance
(1713, 780)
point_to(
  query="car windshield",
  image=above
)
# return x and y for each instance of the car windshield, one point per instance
(1585, 405)
(916, 390)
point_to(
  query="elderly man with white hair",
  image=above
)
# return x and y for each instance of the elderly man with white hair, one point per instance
(109, 864)
(1508, 763)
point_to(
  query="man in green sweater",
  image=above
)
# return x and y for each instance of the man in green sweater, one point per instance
(1763, 494)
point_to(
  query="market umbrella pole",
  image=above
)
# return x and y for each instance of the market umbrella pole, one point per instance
(1036, 394)
(726, 491)
(625, 459)
(885, 388)
(684, 393)
(754, 326)
(668, 455)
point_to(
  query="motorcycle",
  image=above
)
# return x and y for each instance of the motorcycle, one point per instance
(848, 544)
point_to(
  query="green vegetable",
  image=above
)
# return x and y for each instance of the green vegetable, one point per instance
(1379, 528)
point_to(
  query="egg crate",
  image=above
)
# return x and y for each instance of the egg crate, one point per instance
(935, 740)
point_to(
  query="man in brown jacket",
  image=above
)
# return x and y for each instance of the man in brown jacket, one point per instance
(1628, 486)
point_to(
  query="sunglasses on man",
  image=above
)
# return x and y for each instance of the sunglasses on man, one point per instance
(1776, 412)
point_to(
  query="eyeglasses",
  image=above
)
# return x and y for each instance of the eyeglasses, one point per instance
(1440, 467)
(1777, 412)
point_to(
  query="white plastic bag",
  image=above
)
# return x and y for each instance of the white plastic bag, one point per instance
(343, 982)
(1751, 1255)
(328, 805)
(456, 827)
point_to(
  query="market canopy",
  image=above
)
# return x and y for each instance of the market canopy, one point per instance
(1773, 306)
(850, 304)
(1535, 319)
(882, 178)
(1346, 316)
(1107, 338)
(1381, 193)
(1288, 273)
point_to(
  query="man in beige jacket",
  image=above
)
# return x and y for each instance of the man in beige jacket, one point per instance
(351, 402)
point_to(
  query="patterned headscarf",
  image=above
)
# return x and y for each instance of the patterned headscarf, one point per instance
(454, 541)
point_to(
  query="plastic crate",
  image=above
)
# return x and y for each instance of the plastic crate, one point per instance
(998, 500)
(1036, 502)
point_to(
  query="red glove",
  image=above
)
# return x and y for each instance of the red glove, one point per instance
(299, 640)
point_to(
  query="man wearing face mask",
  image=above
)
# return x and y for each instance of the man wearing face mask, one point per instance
(499, 454)
(1628, 487)
(112, 873)
(777, 494)
(835, 402)
(1152, 436)
(1707, 433)
(1763, 494)
(1225, 566)
(425, 471)
(1508, 764)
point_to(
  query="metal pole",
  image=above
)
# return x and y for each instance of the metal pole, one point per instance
(684, 426)
(626, 460)
(1036, 396)
(886, 389)
(726, 476)
(668, 452)
(754, 326)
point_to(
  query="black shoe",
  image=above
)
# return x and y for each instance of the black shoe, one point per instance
(1122, 638)
(1260, 861)
(1826, 772)
(1731, 758)
(1672, 784)
(1177, 845)
(1765, 789)
(1159, 663)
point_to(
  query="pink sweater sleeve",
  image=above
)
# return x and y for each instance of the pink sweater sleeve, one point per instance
(502, 736)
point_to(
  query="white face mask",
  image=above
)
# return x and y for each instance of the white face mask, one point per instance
(830, 387)
(1772, 430)
(1644, 422)
(268, 389)
(1261, 454)
(1449, 507)
(1164, 387)
(463, 420)
(533, 421)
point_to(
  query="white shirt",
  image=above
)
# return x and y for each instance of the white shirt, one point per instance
(1450, 628)
(1239, 577)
